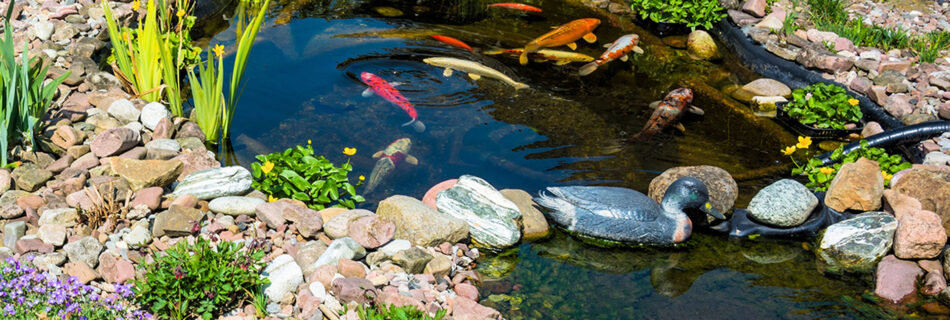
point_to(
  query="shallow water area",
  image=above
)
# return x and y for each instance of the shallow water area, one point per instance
(303, 84)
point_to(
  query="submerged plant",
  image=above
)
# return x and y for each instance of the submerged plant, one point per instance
(692, 13)
(820, 176)
(296, 173)
(824, 106)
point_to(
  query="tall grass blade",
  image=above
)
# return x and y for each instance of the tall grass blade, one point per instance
(245, 42)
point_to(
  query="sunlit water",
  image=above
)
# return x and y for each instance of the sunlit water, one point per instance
(303, 84)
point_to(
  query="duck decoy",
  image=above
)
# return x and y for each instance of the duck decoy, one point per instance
(627, 216)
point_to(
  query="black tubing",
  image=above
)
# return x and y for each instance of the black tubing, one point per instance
(791, 73)
(741, 225)
(894, 137)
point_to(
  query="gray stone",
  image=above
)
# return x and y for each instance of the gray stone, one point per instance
(785, 203)
(284, 276)
(139, 236)
(342, 248)
(235, 205)
(29, 177)
(124, 111)
(391, 248)
(43, 29)
(413, 260)
(66, 217)
(164, 144)
(152, 113)
(53, 234)
(215, 183)
(12, 232)
(46, 261)
(857, 244)
(86, 249)
(490, 216)
(419, 223)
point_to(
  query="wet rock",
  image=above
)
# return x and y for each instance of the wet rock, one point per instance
(284, 275)
(858, 185)
(896, 280)
(700, 45)
(858, 243)
(29, 177)
(66, 217)
(754, 7)
(215, 183)
(115, 269)
(146, 173)
(723, 190)
(13, 231)
(124, 111)
(429, 197)
(920, 235)
(533, 224)
(114, 141)
(339, 249)
(338, 226)
(490, 216)
(357, 290)
(86, 249)
(785, 203)
(414, 259)
(466, 290)
(152, 113)
(419, 223)
(371, 232)
(235, 205)
(931, 188)
(52, 234)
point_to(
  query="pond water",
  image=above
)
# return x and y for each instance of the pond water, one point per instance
(303, 84)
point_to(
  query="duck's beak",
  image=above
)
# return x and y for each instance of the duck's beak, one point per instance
(708, 209)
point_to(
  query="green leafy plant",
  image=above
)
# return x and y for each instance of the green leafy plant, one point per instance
(376, 312)
(823, 106)
(207, 96)
(296, 173)
(820, 176)
(201, 280)
(23, 95)
(693, 13)
(790, 25)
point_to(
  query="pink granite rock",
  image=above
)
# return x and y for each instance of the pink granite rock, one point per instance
(371, 232)
(896, 279)
(429, 198)
(920, 235)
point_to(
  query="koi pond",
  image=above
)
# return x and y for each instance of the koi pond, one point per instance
(304, 84)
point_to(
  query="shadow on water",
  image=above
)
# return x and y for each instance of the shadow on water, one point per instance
(302, 84)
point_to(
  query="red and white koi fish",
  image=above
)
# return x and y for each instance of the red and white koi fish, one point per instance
(386, 90)
(517, 6)
(395, 153)
(618, 49)
(667, 113)
(452, 42)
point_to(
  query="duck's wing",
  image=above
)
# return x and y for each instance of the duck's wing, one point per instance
(609, 202)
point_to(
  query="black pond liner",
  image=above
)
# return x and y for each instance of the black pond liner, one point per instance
(741, 225)
(806, 130)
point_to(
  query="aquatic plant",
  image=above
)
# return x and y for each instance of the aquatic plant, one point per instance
(26, 293)
(820, 176)
(692, 13)
(391, 312)
(297, 174)
(207, 95)
(23, 95)
(202, 279)
(823, 106)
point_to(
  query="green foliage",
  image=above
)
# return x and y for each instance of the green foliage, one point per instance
(377, 312)
(823, 106)
(693, 13)
(137, 52)
(207, 97)
(789, 25)
(201, 280)
(23, 96)
(296, 173)
(176, 50)
(819, 177)
(929, 45)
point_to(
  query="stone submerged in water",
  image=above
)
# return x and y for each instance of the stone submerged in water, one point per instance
(490, 216)
(700, 45)
(215, 183)
(856, 244)
(785, 203)
(896, 280)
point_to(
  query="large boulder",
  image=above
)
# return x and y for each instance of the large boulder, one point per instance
(419, 223)
(785, 203)
(858, 185)
(896, 280)
(931, 188)
(215, 183)
(919, 235)
(146, 173)
(858, 243)
(491, 218)
(723, 190)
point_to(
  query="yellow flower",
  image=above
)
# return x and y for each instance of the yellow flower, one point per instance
(349, 151)
(789, 150)
(803, 142)
(271, 198)
(362, 178)
(853, 101)
(136, 5)
(267, 167)
(309, 142)
(196, 50)
(218, 50)
(887, 176)
(826, 170)
(180, 13)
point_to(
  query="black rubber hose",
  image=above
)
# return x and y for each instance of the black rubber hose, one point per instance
(791, 73)
(741, 225)
(894, 137)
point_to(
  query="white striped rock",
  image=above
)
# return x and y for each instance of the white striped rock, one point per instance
(214, 183)
(490, 216)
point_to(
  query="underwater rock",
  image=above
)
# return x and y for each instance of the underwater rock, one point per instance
(857, 243)
(215, 183)
(700, 45)
(785, 203)
(931, 188)
(857, 185)
(419, 223)
(490, 216)
(896, 280)
(723, 190)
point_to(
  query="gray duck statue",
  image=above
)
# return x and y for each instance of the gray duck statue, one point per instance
(625, 215)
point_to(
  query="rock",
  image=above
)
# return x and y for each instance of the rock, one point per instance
(43, 29)
(899, 66)
(371, 232)
(860, 85)
(164, 144)
(857, 185)
(843, 44)
(533, 224)
(785, 52)
(741, 18)
(429, 197)
(490, 216)
(234, 205)
(754, 7)
(152, 113)
(308, 254)
(277, 213)
(86, 249)
(700, 45)
(146, 173)
(13, 231)
(328, 213)
(937, 158)
(420, 224)
(196, 161)
(178, 221)
(53, 234)
(723, 190)
(772, 21)
(124, 111)
(29, 177)
(66, 136)
(785, 203)
(150, 197)
(115, 269)
(465, 309)
(439, 266)
(83, 273)
(858, 243)
(821, 37)
(933, 284)
(900, 204)
(357, 290)
(818, 58)
(342, 248)
(931, 188)
(870, 129)
(767, 87)
(338, 226)
(413, 260)
(915, 118)
(896, 280)
(66, 217)
(920, 235)
(393, 247)
(215, 183)
(898, 105)
(284, 275)
(114, 141)
(25, 245)
(351, 269)
(138, 236)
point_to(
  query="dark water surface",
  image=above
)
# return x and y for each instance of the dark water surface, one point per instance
(302, 83)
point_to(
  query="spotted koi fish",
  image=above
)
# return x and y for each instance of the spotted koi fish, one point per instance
(559, 57)
(395, 153)
(452, 42)
(563, 35)
(616, 50)
(386, 90)
(517, 6)
(667, 113)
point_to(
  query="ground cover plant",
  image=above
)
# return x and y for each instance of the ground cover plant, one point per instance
(297, 174)
(377, 312)
(823, 106)
(201, 280)
(692, 13)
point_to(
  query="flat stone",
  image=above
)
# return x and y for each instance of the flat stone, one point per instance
(308, 254)
(235, 205)
(83, 273)
(146, 173)
(215, 183)
(414, 259)
(164, 144)
(52, 234)
(139, 236)
(178, 221)
(29, 177)
(429, 197)
(150, 197)
(768, 88)
(66, 217)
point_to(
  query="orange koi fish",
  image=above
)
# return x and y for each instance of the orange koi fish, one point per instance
(452, 42)
(517, 6)
(563, 35)
(667, 113)
(617, 49)
(386, 90)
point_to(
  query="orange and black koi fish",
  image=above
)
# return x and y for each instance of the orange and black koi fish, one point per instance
(563, 35)
(386, 90)
(617, 50)
(668, 113)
